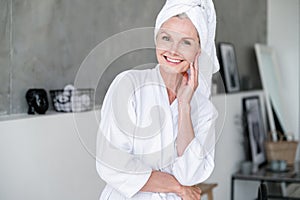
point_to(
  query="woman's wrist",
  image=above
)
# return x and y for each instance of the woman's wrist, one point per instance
(179, 190)
(184, 107)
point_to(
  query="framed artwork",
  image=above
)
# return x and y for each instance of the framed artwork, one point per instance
(255, 129)
(229, 67)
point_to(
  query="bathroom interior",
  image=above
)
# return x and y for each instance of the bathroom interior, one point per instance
(50, 45)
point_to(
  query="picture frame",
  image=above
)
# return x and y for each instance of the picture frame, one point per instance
(255, 131)
(229, 69)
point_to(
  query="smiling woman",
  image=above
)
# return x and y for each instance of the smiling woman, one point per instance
(157, 134)
(177, 52)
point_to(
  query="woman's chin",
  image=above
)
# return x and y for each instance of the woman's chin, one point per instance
(173, 69)
(170, 69)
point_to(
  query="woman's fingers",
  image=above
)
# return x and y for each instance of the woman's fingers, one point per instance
(191, 193)
(196, 73)
(196, 69)
(197, 192)
(193, 81)
(192, 75)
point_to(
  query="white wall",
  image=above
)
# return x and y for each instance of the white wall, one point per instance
(284, 35)
(48, 157)
(230, 149)
(43, 158)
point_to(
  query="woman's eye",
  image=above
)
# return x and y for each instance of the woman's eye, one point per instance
(166, 38)
(186, 42)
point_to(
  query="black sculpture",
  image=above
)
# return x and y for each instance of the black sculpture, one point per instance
(37, 101)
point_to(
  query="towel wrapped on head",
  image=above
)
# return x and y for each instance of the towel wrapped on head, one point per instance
(203, 16)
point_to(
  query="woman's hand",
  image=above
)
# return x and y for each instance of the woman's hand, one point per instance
(188, 84)
(190, 193)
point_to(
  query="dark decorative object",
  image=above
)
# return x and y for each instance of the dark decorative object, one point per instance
(255, 129)
(37, 101)
(229, 67)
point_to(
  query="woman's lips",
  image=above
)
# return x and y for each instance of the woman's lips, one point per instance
(172, 60)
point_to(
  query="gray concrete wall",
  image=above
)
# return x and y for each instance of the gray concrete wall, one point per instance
(43, 43)
(243, 23)
(5, 65)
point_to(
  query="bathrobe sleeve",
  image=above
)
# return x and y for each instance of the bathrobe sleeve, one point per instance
(197, 162)
(116, 164)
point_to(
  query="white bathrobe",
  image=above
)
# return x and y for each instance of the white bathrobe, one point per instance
(137, 134)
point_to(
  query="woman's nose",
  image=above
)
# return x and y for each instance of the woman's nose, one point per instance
(174, 49)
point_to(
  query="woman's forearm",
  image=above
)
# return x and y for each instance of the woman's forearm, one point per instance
(162, 182)
(185, 128)
(166, 183)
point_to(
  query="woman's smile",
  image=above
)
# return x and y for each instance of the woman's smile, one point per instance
(174, 61)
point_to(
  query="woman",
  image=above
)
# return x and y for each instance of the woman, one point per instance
(156, 136)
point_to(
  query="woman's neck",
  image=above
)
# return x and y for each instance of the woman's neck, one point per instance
(172, 82)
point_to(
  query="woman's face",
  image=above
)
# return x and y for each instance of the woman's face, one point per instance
(177, 44)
